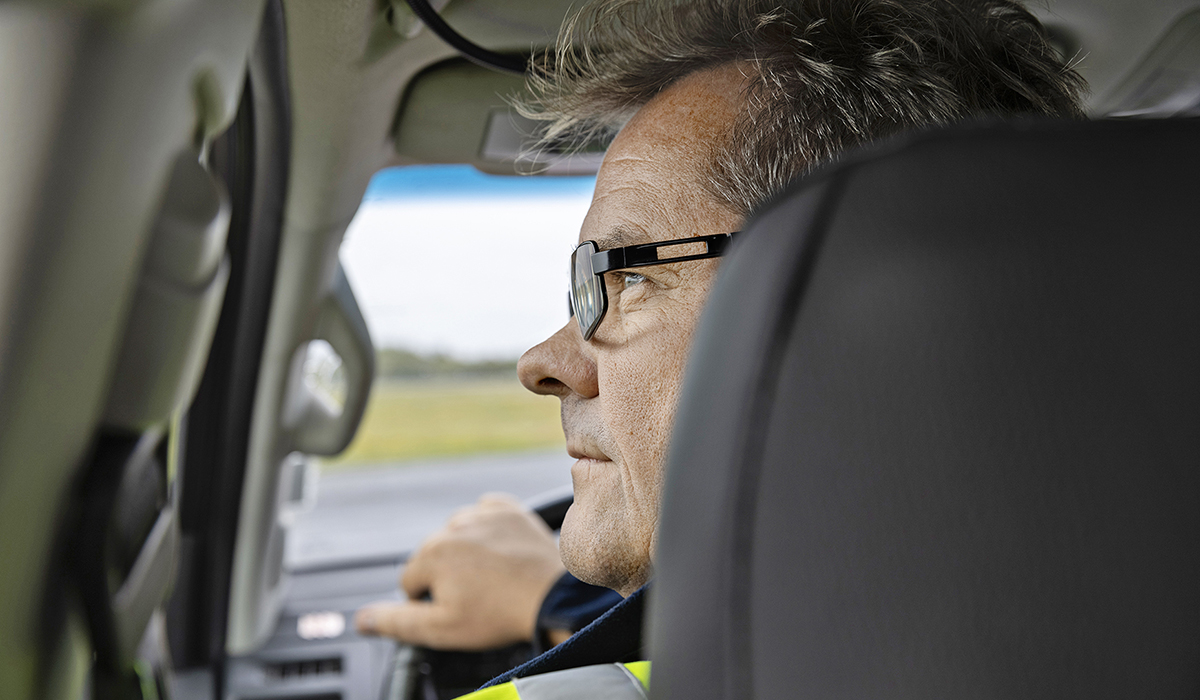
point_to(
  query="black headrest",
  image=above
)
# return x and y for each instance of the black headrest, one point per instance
(940, 433)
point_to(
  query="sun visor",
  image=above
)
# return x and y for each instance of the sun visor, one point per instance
(457, 112)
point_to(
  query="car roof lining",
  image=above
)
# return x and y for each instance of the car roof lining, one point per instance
(353, 54)
(1112, 37)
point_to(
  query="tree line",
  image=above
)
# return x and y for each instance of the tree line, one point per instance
(395, 363)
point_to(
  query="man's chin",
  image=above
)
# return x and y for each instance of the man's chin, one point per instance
(579, 548)
(594, 552)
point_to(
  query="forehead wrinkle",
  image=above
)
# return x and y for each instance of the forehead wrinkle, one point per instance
(637, 188)
(651, 221)
(634, 215)
(629, 157)
(655, 204)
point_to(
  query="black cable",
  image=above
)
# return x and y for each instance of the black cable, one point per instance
(471, 51)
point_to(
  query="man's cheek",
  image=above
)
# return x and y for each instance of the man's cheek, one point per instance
(646, 398)
(644, 325)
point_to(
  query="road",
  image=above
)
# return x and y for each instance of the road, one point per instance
(386, 510)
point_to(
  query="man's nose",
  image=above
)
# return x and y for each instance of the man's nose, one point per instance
(559, 366)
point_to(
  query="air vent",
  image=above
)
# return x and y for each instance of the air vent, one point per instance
(305, 668)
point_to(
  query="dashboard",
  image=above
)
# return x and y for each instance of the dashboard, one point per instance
(315, 652)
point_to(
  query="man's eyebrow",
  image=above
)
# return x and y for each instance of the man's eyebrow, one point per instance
(619, 237)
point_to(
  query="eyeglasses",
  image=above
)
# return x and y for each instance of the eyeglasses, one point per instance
(588, 300)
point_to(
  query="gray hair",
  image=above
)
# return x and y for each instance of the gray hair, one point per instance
(824, 75)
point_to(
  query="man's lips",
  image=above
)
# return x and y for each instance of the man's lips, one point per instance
(586, 452)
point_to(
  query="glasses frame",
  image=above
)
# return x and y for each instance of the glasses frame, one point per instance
(628, 257)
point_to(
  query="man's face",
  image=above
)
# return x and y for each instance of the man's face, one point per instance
(619, 390)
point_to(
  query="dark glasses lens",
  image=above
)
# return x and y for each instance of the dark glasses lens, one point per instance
(587, 290)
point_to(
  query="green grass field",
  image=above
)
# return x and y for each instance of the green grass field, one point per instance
(407, 420)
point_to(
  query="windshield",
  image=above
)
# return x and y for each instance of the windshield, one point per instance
(457, 273)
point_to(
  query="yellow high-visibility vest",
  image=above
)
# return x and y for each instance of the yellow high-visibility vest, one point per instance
(603, 682)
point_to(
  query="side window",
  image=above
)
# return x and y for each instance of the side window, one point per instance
(457, 273)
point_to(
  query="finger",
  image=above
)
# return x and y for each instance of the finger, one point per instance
(462, 517)
(420, 570)
(462, 510)
(483, 511)
(415, 582)
(500, 499)
(366, 618)
(487, 506)
(416, 623)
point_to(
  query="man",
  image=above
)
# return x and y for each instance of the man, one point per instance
(716, 106)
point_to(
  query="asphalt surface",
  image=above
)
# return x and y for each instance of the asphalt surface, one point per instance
(385, 511)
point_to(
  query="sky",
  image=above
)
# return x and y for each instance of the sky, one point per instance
(445, 259)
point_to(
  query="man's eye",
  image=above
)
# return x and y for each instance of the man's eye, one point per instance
(631, 278)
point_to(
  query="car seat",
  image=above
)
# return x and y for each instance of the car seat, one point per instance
(940, 433)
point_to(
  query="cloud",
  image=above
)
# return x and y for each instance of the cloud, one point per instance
(475, 278)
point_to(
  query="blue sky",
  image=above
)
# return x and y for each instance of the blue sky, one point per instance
(463, 181)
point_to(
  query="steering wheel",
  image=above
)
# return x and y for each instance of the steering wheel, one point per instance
(442, 675)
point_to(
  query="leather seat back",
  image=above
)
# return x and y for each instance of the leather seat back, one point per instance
(940, 433)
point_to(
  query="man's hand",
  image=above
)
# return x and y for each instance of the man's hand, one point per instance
(486, 574)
